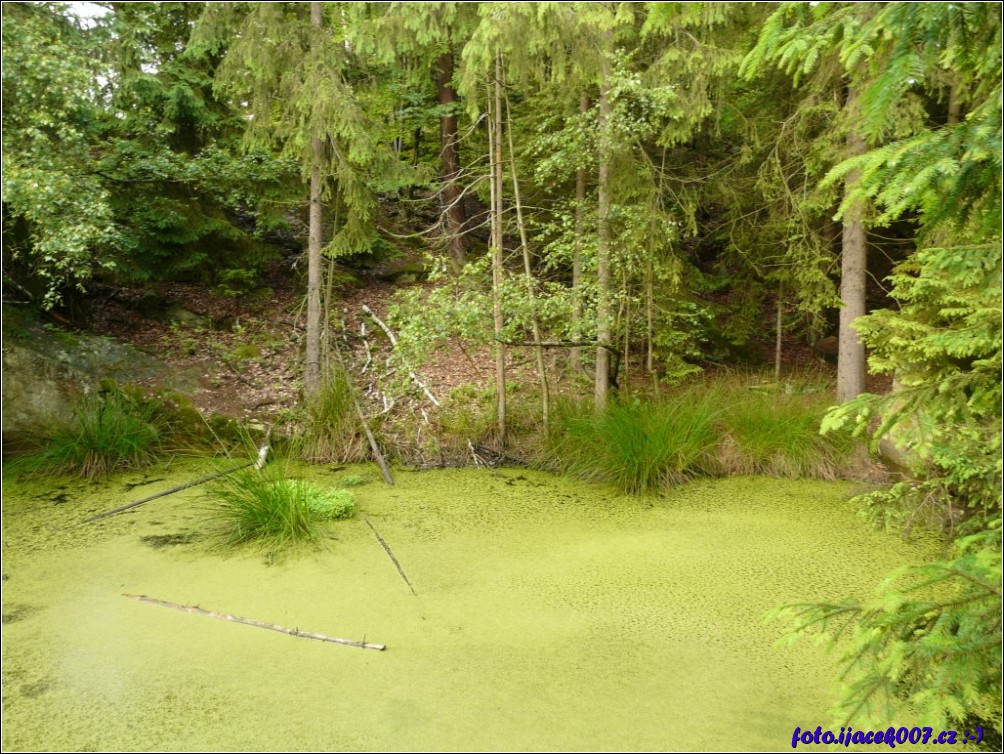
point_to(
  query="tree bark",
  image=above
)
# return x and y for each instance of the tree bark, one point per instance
(312, 371)
(779, 333)
(601, 381)
(452, 203)
(853, 276)
(954, 106)
(575, 355)
(495, 145)
(545, 397)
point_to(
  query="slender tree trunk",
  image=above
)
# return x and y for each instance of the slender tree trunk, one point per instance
(954, 106)
(575, 355)
(649, 318)
(453, 204)
(327, 306)
(312, 372)
(545, 398)
(626, 323)
(601, 382)
(777, 341)
(853, 276)
(495, 145)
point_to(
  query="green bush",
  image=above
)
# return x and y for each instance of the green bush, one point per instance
(329, 505)
(273, 509)
(109, 432)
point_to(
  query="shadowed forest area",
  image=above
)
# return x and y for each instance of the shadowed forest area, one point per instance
(646, 247)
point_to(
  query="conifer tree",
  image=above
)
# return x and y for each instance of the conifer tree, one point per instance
(292, 71)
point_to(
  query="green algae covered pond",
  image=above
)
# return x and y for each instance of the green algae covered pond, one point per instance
(549, 615)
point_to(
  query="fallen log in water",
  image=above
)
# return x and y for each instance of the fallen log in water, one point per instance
(196, 610)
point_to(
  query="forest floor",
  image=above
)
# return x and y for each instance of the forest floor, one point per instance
(248, 350)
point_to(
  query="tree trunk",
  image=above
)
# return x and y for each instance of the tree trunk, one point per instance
(453, 205)
(853, 275)
(495, 146)
(954, 106)
(649, 318)
(312, 371)
(779, 333)
(601, 382)
(626, 323)
(575, 355)
(545, 397)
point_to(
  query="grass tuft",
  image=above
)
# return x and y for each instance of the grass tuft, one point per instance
(731, 425)
(109, 432)
(638, 447)
(778, 435)
(331, 432)
(273, 509)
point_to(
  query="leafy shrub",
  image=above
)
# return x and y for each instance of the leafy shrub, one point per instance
(110, 432)
(329, 505)
(269, 507)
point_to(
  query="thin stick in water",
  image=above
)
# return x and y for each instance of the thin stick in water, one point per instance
(165, 493)
(390, 554)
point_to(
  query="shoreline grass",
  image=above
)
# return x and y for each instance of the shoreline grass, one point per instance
(109, 432)
(722, 427)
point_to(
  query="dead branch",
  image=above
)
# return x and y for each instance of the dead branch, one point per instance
(393, 342)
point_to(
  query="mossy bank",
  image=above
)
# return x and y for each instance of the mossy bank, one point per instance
(550, 615)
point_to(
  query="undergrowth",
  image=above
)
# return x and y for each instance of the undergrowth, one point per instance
(777, 434)
(637, 447)
(331, 431)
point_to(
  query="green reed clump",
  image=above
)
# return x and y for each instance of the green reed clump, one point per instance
(777, 434)
(638, 447)
(109, 432)
(331, 431)
(730, 425)
(273, 509)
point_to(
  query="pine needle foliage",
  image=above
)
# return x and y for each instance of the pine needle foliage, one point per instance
(932, 635)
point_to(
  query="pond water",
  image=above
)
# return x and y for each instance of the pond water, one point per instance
(550, 614)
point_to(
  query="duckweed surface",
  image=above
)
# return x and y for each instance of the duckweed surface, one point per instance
(550, 615)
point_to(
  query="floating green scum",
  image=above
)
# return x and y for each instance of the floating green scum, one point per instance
(549, 615)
